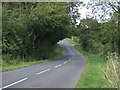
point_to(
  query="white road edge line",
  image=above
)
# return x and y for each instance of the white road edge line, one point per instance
(43, 71)
(65, 62)
(58, 65)
(13, 83)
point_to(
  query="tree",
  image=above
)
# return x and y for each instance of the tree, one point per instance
(33, 29)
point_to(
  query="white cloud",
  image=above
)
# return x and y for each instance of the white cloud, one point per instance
(84, 12)
(85, 1)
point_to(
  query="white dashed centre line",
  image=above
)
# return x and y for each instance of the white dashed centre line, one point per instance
(43, 71)
(69, 60)
(65, 62)
(58, 65)
(13, 83)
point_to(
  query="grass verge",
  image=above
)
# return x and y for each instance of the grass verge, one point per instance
(58, 52)
(21, 65)
(92, 76)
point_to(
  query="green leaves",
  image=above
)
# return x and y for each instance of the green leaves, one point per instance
(31, 29)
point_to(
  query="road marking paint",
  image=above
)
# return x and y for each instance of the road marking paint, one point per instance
(13, 83)
(65, 62)
(69, 60)
(58, 65)
(43, 71)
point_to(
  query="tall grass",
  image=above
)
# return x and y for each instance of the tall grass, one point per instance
(112, 70)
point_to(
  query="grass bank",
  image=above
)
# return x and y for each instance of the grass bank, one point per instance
(5, 67)
(92, 76)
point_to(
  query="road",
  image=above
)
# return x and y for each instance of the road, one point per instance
(63, 72)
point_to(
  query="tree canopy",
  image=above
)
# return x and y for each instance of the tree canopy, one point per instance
(33, 29)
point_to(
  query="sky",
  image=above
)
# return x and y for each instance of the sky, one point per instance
(88, 11)
(84, 11)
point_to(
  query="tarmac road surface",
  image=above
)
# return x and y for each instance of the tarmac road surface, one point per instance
(63, 72)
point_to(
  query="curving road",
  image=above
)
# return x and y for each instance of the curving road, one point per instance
(63, 72)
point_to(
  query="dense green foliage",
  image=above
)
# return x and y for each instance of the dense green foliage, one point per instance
(97, 33)
(32, 30)
(99, 38)
(16, 64)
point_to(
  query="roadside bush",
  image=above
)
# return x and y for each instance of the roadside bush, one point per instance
(31, 30)
(8, 59)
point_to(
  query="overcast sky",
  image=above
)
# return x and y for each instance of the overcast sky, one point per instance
(84, 12)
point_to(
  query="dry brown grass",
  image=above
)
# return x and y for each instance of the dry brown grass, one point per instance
(112, 70)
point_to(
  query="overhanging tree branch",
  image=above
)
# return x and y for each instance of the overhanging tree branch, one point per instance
(113, 7)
